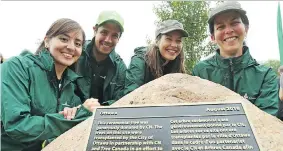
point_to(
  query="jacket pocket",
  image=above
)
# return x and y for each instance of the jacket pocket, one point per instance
(43, 100)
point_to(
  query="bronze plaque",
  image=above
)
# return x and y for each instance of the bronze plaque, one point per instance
(199, 127)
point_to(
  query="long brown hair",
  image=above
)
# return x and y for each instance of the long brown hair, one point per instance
(153, 58)
(61, 26)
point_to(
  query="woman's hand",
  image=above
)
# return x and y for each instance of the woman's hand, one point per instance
(91, 104)
(69, 113)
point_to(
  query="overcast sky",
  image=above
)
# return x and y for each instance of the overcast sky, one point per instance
(22, 24)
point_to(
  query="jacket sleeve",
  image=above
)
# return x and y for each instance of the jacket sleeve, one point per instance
(195, 71)
(268, 99)
(281, 87)
(135, 74)
(18, 122)
(280, 111)
(120, 83)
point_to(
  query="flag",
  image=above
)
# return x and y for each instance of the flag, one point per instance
(280, 33)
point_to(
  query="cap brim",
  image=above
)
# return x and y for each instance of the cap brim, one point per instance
(116, 22)
(184, 33)
(242, 12)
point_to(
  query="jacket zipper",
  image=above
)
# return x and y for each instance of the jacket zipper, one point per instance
(231, 75)
(58, 91)
(65, 83)
(58, 95)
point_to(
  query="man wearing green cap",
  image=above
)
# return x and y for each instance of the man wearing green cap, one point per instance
(102, 68)
(232, 66)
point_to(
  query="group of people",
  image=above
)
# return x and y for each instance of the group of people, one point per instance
(47, 93)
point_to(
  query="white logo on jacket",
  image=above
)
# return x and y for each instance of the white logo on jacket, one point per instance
(248, 97)
(66, 104)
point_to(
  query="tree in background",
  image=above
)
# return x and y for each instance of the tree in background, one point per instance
(274, 64)
(193, 15)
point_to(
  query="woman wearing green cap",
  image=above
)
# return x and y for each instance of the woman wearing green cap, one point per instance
(38, 97)
(163, 57)
(232, 66)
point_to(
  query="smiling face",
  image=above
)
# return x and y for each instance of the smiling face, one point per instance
(170, 45)
(65, 48)
(229, 34)
(106, 37)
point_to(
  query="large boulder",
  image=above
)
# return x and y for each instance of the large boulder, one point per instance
(181, 88)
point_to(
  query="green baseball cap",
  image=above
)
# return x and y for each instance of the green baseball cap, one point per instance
(110, 16)
(225, 7)
(168, 26)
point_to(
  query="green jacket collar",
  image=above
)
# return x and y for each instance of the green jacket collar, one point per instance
(45, 61)
(88, 49)
(240, 62)
(140, 51)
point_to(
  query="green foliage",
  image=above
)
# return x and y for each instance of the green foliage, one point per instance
(148, 40)
(274, 64)
(193, 15)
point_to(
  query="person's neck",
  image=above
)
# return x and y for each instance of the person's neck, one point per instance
(231, 55)
(165, 63)
(98, 56)
(163, 60)
(59, 69)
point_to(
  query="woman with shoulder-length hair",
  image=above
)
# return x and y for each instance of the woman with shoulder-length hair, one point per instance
(232, 65)
(38, 100)
(163, 57)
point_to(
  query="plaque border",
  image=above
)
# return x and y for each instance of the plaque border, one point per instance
(244, 106)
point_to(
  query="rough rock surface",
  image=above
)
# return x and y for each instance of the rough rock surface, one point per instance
(181, 88)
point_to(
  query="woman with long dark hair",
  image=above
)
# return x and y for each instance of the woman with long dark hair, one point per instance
(38, 100)
(163, 57)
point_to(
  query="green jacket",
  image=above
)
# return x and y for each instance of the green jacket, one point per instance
(30, 102)
(115, 78)
(280, 111)
(139, 73)
(25, 52)
(244, 76)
